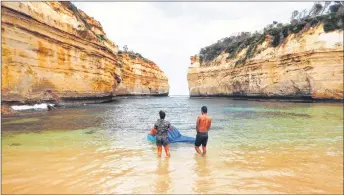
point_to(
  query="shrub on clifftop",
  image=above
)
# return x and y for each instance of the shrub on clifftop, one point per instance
(132, 54)
(331, 14)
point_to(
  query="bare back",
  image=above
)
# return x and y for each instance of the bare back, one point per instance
(203, 123)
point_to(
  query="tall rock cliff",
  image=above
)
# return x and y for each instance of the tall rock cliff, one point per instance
(55, 46)
(308, 64)
(141, 77)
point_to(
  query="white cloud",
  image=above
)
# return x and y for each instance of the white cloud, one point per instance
(168, 33)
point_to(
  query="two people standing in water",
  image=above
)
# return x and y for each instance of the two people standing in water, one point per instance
(161, 128)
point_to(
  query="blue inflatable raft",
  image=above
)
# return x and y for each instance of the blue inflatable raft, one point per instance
(173, 136)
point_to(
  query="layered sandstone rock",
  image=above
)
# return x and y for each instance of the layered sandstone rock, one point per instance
(7, 110)
(141, 77)
(308, 64)
(54, 46)
(47, 45)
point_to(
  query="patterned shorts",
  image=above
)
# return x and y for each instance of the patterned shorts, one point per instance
(162, 141)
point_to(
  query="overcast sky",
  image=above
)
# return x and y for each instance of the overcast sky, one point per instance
(168, 33)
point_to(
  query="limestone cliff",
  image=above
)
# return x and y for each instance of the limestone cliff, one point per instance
(308, 64)
(55, 46)
(141, 77)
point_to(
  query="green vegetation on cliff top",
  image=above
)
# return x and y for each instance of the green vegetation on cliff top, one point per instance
(132, 54)
(330, 14)
(77, 14)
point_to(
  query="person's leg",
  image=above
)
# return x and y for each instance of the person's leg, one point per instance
(197, 144)
(167, 150)
(159, 145)
(204, 145)
(166, 146)
(198, 150)
(159, 150)
(204, 148)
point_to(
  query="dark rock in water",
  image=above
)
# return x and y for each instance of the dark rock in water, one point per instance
(49, 107)
(90, 132)
(15, 144)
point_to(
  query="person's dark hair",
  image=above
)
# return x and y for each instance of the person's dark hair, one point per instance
(162, 114)
(204, 109)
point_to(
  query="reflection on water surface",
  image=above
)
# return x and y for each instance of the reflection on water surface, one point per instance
(254, 147)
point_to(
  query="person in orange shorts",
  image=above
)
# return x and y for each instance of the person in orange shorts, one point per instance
(202, 127)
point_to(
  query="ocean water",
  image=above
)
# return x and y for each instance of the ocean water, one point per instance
(253, 147)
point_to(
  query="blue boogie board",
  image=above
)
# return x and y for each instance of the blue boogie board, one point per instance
(174, 136)
(151, 138)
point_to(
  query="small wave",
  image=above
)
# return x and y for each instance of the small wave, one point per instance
(28, 107)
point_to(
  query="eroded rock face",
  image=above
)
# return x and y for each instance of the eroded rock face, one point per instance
(6, 110)
(141, 77)
(46, 46)
(306, 65)
(54, 46)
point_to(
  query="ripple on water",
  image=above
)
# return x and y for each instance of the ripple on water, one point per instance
(253, 147)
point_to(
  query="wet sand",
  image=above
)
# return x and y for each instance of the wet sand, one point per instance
(254, 147)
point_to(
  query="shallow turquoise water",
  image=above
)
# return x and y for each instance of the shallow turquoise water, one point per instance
(254, 147)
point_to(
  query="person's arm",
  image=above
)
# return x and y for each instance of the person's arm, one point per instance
(197, 124)
(209, 125)
(155, 126)
(170, 127)
(154, 130)
(151, 132)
